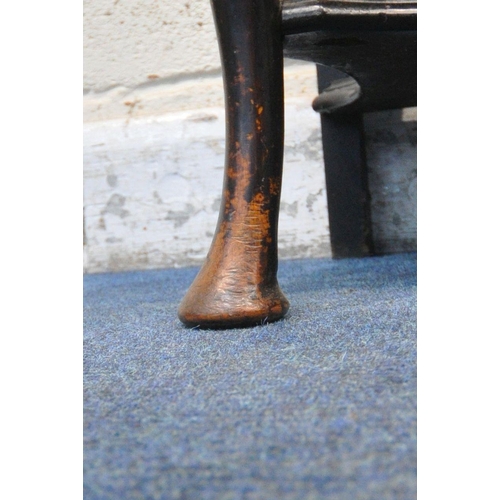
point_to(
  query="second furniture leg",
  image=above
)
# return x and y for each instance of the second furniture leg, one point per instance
(346, 177)
(237, 285)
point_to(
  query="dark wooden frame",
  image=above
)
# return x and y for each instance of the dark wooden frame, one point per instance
(371, 42)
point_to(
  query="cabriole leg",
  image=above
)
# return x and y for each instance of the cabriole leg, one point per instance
(237, 285)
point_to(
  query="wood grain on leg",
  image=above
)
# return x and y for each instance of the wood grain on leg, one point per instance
(237, 285)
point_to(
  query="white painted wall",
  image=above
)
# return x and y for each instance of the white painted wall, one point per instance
(154, 139)
(153, 57)
(154, 144)
(126, 41)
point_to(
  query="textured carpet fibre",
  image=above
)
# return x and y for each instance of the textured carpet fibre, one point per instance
(321, 405)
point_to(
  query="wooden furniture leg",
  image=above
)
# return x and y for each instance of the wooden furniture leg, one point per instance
(346, 175)
(237, 284)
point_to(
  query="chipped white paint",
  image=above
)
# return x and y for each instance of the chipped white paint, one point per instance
(152, 189)
(154, 143)
(154, 140)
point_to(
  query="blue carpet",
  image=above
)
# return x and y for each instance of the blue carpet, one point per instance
(321, 405)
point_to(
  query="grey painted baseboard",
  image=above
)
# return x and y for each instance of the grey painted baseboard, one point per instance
(152, 187)
(391, 156)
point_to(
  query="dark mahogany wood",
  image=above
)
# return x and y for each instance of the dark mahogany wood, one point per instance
(366, 50)
(382, 63)
(237, 285)
(306, 16)
(372, 41)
